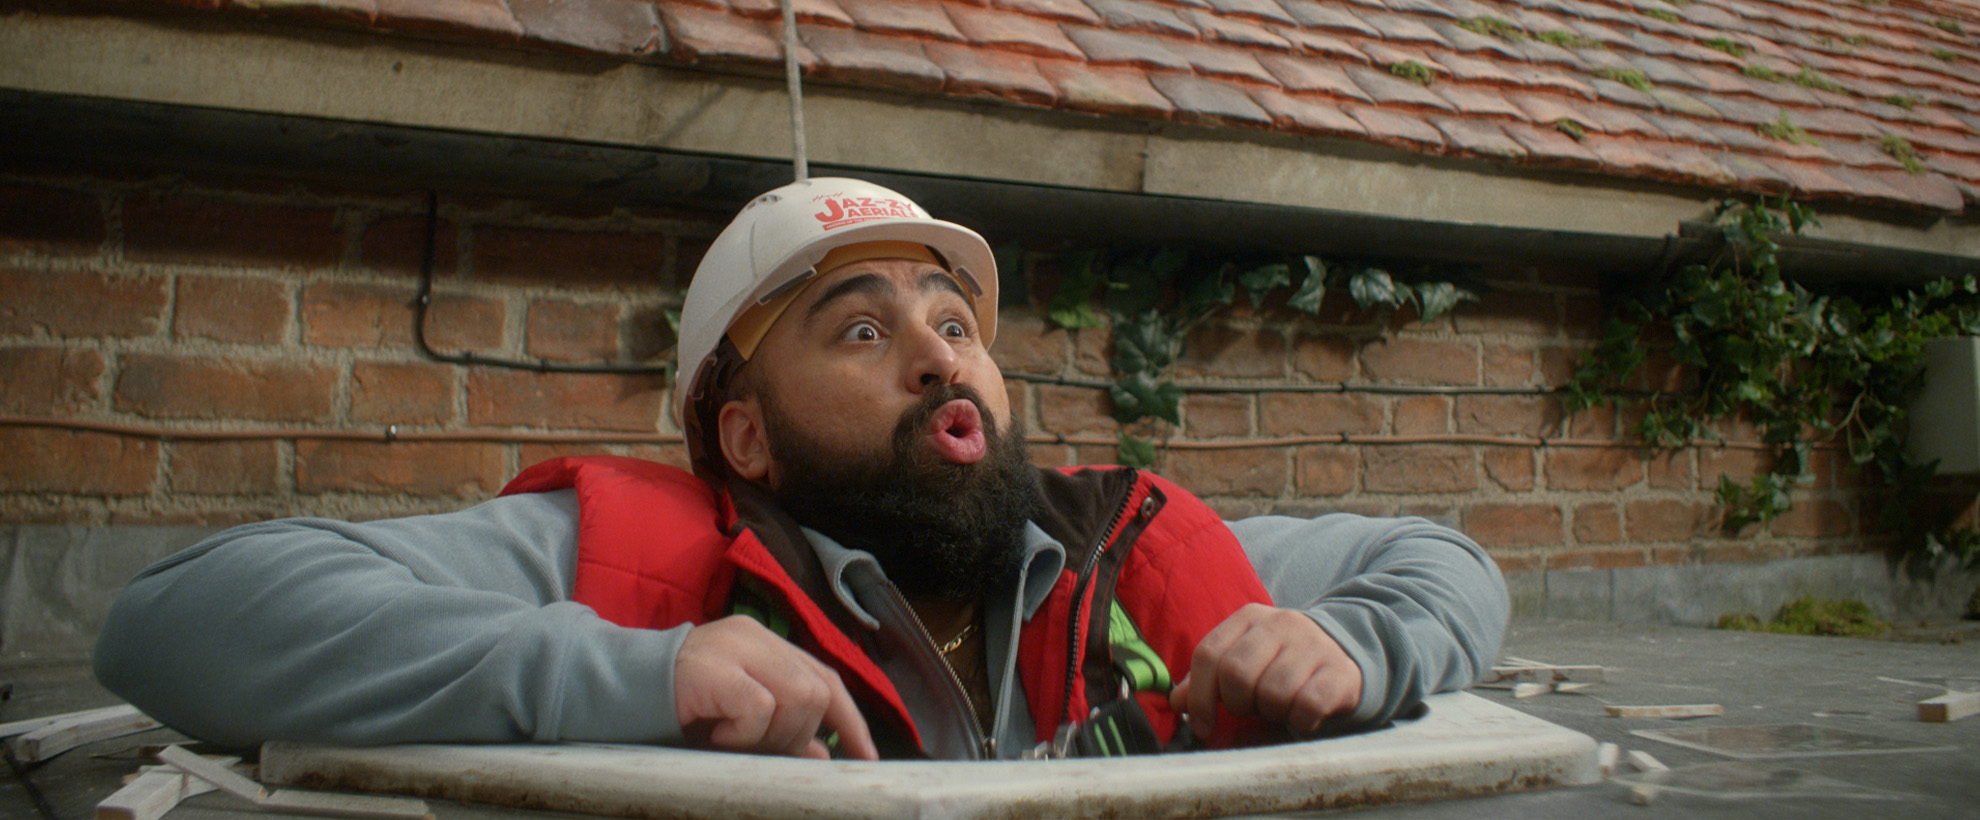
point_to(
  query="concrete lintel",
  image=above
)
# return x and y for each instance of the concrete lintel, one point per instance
(356, 77)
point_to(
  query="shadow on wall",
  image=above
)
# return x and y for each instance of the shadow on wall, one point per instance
(56, 582)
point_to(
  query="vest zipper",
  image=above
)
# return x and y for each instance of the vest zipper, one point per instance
(956, 690)
(1079, 594)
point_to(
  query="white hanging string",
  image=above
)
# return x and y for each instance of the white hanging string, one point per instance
(795, 90)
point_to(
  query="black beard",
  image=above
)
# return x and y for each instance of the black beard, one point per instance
(940, 530)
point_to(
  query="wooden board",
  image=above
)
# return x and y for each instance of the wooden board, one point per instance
(1464, 746)
(70, 731)
(150, 796)
(1682, 711)
(1545, 674)
(1949, 707)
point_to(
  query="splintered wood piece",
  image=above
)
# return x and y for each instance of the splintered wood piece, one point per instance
(1565, 688)
(1646, 762)
(1654, 773)
(1546, 674)
(69, 731)
(1607, 755)
(21, 727)
(1684, 711)
(1527, 690)
(290, 801)
(212, 772)
(1949, 707)
(150, 796)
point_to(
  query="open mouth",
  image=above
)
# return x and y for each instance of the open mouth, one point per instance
(956, 432)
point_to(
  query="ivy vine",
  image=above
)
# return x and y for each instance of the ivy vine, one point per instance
(1803, 366)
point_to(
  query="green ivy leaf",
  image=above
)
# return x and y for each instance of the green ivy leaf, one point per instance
(1071, 307)
(1373, 286)
(1262, 279)
(1438, 298)
(1140, 395)
(1312, 289)
(1134, 452)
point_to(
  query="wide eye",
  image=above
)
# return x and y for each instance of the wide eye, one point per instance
(953, 329)
(861, 332)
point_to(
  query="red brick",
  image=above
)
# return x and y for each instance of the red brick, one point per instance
(249, 311)
(1520, 314)
(1595, 423)
(396, 244)
(573, 332)
(346, 314)
(1509, 525)
(1557, 364)
(48, 380)
(1666, 520)
(1252, 471)
(1738, 464)
(1519, 562)
(1026, 343)
(1422, 415)
(1419, 469)
(50, 221)
(571, 400)
(1597, 559)
(185, 388)
(1053, 456)
(1593, 468)
(1508, 415)
(1597, 524)
(1584, 317)
(1813, 518)
(225, 467)
(391, 393)
(1510, 467)
(1224, 352)
(81, 304)
(1288, 414)
(465, 469)
(1742, 552)
(1508, 366)
(1326, 470)
(195, 518)
(1018, 394)
(1074, 410)
(534, 256)
(1420, 361)
(59, 461)
(166, 228)
(1671, 471)
(1217, 415)
(1091, 349)
(1323, 358)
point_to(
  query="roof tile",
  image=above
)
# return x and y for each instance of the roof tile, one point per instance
(1434, 8)
(1685, 129)
(1608, 37)
(1115, 47)
(1199, 99)
(1373, 4)
(474, 15)
(698, 35)
(1399, 29)
(1396, 129)
(1307, 114)
(1014, 31)
(1313, 42)
(1135, 15)
(1618, 93)
(602, 26)
(1941, 139)
(1682, 103)
(1601, 58)
(1470, 41)
(1549, 78)
(1812, 181)
(1305, 74)
(1385, 56)
(1539, 52)
(1105, 89)
(1687, 163)
(1756, 176)
(1071, 10)
(1611, 119)
(1389, 88)
(1548, 146)
(1861, 153)
(1630, 154)
(1313, 14)
(925, 19)
(1544, 108)
(1237, 31)
(1222, 61)
(1259, 9)
(849, 56)
(982, 72)
(1739, 137)
(1477, 100)
(1967, 168)
(1778, 92)
(1479, 137)
(1837, 121)
(1471, 70)
(816, 11)
(1664, 72)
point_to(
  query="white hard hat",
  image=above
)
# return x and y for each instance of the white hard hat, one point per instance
(776, 242)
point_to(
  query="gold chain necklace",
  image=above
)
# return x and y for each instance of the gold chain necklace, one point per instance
(957, 641)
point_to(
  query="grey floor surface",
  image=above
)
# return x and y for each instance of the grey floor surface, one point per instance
(1845, 689)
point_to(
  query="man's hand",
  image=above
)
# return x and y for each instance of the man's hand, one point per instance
(1270, 663)
(756, 692)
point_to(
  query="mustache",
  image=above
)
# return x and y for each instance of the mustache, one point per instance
(914, 420)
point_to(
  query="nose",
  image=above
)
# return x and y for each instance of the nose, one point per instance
(930, 361)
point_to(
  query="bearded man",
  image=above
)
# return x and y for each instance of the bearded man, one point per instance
(864, 564)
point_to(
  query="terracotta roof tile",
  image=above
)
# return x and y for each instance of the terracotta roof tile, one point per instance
(1547, 108)
(1548, 78)
(1756, 176)
(1778, 92)
(1465, 40)
(607, 27)
(858, 58)
(1546, 145)
(1618, 93)
(473, 15)
(1257, 9)
(1072, 10)
(1665, 72)
(1685, 129)
(1837, 121)
(926, 19)
(1538, 52)
(1941, 139)
(981, 72)
(1306, 114)
(1385, 87)
(1478, 101)
(1373, 4)
(1397, 129)
(1386, 56)
(1105, 89)
(1306, 74)
(1598, 59)
(1313, 14)
(1237, 31)
(1637, 155)
(1468, 69)
(1739, 137)
(1199, 99)
(1811, 178)
(1608, 37)
(1481, 137)
(1106, 46)
(1313, 42)
(1742, 109)
(1685, 163)
(1611, 119)
(1136, 15)
(1432, 8)
(1014, 31)
(1967, 168)
(1399, 29)
(1219, 60)
(697, 35)
(1861, 153)
(1682, 103)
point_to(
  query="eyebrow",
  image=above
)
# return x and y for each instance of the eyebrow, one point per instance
(871, 284)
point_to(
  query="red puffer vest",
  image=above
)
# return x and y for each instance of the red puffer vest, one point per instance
(658, 547)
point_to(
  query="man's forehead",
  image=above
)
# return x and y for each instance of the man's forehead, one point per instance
(879, 278)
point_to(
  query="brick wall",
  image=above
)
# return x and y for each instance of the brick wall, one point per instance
(255, 306)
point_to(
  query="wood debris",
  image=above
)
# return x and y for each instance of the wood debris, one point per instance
(1654, 773)
(1546, 674)
(1949, 707)
(153, 792)
(1527, 690)
(1680, 711)
(291, 801)
(45, 737)
(1607, 755)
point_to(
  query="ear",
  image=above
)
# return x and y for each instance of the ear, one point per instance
(745, 439)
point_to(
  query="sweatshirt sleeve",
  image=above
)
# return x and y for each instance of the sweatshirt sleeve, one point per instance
(1419, 607)
(443, 628)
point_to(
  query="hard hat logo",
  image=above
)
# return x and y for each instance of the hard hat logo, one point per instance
(850, 210)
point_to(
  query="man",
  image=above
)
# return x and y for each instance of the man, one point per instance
(865, 564)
